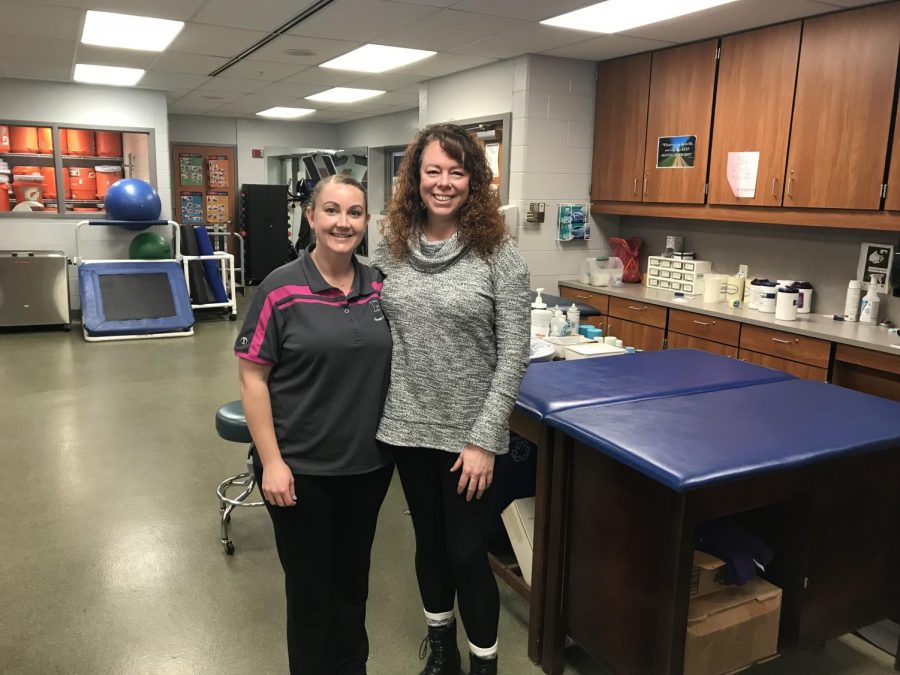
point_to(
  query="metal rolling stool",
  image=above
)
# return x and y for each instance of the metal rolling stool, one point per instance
(231, 424)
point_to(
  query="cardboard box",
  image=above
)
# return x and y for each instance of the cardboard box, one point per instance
(732, 628)
(518, 518)
(707, 574)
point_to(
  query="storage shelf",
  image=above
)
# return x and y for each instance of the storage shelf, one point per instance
(41, 155)
(94, 158)
(97, 202)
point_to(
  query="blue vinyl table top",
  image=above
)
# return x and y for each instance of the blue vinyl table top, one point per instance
(699, 439)
(550, 388)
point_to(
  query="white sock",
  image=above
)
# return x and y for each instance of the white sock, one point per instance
(439, 619)
(484, 652)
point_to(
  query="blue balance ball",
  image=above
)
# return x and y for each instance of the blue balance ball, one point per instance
(132, 199)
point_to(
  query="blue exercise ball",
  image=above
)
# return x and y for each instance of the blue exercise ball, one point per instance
(133, 199)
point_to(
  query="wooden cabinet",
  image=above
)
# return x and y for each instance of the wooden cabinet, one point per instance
(754, 99)
(699, 331)
(795, 354)
(637, 335)
(867, 370)
(842, 109)
(681, 97)
(596, 300)
(620, 128)
(637, 311)
(892, 202)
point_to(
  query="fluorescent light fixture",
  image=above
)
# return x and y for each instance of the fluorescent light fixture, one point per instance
(345, 95)
(614, 16)
(279, 112)
(126, 31)
(377, 58)
(121, 77)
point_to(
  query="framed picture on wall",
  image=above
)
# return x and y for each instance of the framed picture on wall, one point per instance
(875, 259)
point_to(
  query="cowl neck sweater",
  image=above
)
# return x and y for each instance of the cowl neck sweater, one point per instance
(432, 257)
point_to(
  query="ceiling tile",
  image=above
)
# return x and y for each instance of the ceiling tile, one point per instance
(325, 50)
(429, 3)
(263, 70)
(444, 64)
(158, 79)
(360, 20)
(529, 39)
(41, 49)
(38, 70)
(29, 18)
(264, 16)
(529, 10)
(105, 56)
(208, 96)
(387, 81)
(198, 38)
(233, 84)
(606, 47)
(448, 28)
(727, 19)
(323, 76)
(197, 64)
(288, 91)
(180, 10)
(175, 94)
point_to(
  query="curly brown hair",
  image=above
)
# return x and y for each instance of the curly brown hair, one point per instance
(481, 227)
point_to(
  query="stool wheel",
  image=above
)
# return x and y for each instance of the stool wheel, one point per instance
(229, 548)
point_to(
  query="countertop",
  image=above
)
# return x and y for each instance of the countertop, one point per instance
(820, 326)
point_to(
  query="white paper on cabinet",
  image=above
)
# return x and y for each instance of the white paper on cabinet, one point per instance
(742, 169)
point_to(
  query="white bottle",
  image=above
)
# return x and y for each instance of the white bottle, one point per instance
(540, 317)
(868, 313)
(558, 324)
(573, 315)
(851, 304)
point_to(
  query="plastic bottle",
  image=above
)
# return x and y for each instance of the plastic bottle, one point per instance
(540, 317)
(558, 324)
(573, 315)
(851, 304)
(868, 313)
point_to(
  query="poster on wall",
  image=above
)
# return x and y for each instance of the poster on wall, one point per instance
(190, 169)
(216, 208)
(875, 259)
(192, 208)
(572, 222)
(675, 152)
(742, 170)
(218, 171)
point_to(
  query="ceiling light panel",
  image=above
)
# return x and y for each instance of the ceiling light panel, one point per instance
(126, 31)
(377, 58)
(121, 77)
(279, 112)
(344, 95)
(615, 16)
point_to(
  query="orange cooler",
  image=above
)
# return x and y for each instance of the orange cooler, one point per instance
(25, 171)
(23, 139)
(4, 139)
(83, 182)
(106, 176)
(4, 193)
(80, 142)
(49, 174)
(109, 143)
(29, 188)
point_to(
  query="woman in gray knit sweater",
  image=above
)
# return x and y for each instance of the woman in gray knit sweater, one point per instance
(456, 296)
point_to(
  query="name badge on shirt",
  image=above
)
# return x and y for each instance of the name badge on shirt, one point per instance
(376, 308)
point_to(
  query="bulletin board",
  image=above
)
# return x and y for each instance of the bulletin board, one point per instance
(204, 187)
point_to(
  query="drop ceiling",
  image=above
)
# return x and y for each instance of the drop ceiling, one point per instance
(39, 39)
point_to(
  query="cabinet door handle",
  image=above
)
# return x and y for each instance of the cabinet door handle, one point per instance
(705, 323)
(583, 297)
(636, 309)
(634, 186)
(646, 180)
(785, 342)
(790, 184)
(774, 181)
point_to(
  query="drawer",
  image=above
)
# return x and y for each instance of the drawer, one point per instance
(802, 349)
(640, 312)
(801, 370)
(706, 327)
(679, 341)
(596, 300)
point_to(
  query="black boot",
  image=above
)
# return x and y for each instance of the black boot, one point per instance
(443, 658)
(480, 666)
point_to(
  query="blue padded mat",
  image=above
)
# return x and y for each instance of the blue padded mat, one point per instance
(685, 442)
(210, 267)
(549, 388)
(97, 319)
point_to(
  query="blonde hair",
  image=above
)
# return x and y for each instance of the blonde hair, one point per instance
(337, 179)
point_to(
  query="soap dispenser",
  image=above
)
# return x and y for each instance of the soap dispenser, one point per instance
(868, 312)
(573, 315)
(540, 317)
(558, 324)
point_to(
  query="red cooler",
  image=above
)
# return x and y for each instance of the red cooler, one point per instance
(83, 182)
(80, 142)
(4, 139)
(109, 143)
(24, 140)
(106, 176)
(4, 193)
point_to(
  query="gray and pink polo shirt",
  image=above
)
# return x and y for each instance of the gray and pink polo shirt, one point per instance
(330, 356)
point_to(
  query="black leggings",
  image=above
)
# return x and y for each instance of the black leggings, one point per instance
(451, 542)
(324, 542)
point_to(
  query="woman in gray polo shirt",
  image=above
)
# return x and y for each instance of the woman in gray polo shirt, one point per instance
(456, 295)
(314, 361)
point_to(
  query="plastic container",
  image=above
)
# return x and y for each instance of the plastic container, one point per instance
(573, 316)
(786, 304)
(559, 327)
(80, 142)
(23, 139)
(605, 271)
(851, 302)
(734, 291)
(83, 182)
(757, 287)
(767, 302)
(45, 140)
(48, 175)
(106, 176)
(29, 188)
(540, 317)
(868, 312)
(804, 302)
(713, 288)
(4, 138)
(4, 193)
(108, 143)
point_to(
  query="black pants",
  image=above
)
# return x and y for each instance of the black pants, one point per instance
(324, 542)
(451, 542)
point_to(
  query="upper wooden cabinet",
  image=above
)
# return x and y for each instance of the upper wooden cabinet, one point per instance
(623, 87)
(754, 97)
(892, 203)
(681, 100)
(842, 109)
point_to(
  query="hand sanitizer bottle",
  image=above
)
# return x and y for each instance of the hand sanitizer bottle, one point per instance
(540, 317)
(868, 313)
(573, 314)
